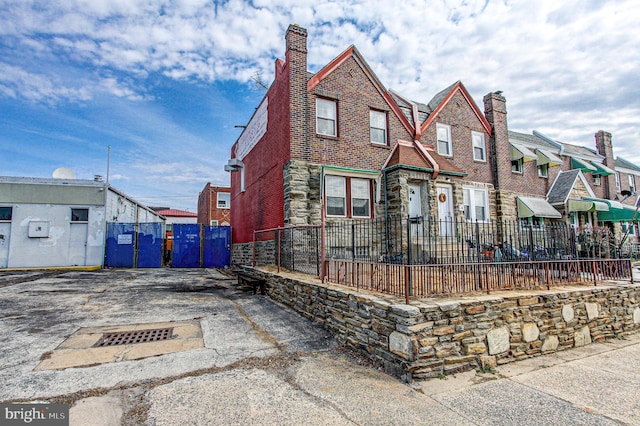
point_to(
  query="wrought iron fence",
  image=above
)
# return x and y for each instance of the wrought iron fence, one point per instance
(431, 280)
(414, 241)
(422, 241)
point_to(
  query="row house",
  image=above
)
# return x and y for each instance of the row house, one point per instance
(214, 205)
(337, 144)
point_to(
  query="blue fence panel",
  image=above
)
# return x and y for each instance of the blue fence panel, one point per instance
(150, 245)
(120, 251)
(186, 246)
(217, 246)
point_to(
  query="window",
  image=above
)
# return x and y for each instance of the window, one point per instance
(360, 196)
(543, 170)
(444, 139)
(475, 204)
(617, 181)
(632, 184)
(224, 200)
(326, 117)
(516, 166)
(348, 197)
(213, 223)
(79, 215)
(479, 152)
(6, 213)
(335, 189)
(378, 127)
(533, 222)
(596, 180)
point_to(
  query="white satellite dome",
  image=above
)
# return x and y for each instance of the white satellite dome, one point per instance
(64, 173)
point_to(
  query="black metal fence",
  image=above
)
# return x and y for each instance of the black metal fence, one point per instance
(415, 241)
(423, 241)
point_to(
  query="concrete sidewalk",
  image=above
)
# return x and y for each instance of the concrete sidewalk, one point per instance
(261, 364)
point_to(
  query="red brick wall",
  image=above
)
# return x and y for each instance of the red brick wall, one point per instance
(261, 205)
(458, 114)
(356, 96)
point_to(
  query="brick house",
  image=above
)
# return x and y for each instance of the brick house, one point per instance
(214, 205)
(338, 144)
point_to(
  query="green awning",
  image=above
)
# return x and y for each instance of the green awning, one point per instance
(546, 157)
(538, 207)
(617, 212)
(576, 163)
(587, 206)
(625, 214)
(522, 152)
(601, 169)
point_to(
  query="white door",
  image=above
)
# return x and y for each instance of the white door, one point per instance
(445, 210)
(415, 204)
(78, 244)
(5, 232)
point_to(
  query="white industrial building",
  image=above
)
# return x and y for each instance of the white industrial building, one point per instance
(61, 222)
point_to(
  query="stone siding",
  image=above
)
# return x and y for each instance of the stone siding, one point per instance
(431, 338)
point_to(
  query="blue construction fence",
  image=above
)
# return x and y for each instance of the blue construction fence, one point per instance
(144, 245)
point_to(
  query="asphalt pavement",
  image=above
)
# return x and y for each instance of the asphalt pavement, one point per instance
(250, 361)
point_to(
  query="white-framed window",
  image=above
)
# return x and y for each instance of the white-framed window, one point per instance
(533, 222)
(479, 147)
(336, 195)
(6, 213)
(326, 117)
(597, 180)
(348, 197)
(618, 181)
(378, 127)
(475, 203)
(628, 226)
(516, 166)
(543, 170)
(360, 197)
(224, 200)
(632, 184)
(213, 223)
(79, 215)
(443, 133)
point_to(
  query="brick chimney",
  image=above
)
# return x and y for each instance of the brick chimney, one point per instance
(605, 148)
(495, 111)
(296, 57)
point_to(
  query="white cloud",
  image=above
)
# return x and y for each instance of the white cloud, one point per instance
(569, 66)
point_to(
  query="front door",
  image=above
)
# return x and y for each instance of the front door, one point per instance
(415, 204)
(78, 244)
(445, 210)
(5, 231)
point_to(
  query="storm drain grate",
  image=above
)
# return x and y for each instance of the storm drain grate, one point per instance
(131, 337)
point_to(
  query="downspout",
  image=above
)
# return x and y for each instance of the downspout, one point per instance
(386, 210)
(322, 230)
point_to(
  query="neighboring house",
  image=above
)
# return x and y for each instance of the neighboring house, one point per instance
(60, 222)
(214, 206)
(175, 216)
(338, 144)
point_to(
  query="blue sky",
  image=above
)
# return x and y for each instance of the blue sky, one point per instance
(165, 82)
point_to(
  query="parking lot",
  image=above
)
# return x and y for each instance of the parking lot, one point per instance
(232, 357)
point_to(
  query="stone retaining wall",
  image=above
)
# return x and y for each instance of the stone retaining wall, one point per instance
(445, 336)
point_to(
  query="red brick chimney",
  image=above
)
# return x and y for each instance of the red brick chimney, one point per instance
(296, 57)
(605, 148)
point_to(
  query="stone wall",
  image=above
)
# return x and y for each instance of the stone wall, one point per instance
(431, 338)
(242, 254)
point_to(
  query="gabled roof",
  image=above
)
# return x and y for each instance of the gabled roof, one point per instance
(621, 162)
(440, 100)
(564, 184)
(176, 213)
(352, 52)
(415, 155)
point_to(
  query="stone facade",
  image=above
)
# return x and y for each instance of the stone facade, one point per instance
(429, 338)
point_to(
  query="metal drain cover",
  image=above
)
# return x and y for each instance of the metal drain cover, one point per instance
(137, 336)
